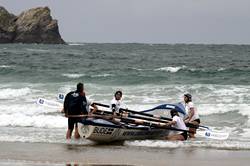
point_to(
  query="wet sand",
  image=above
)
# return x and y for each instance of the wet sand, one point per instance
(66, 154)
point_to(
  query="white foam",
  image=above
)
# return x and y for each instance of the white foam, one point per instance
(208, 109)
(221, 69)
(205, 70)
(26, 109)
(139, 69)
(102, 75)
(65, 89)
(228, 145)
(8, 93)
(207, 98)
(37, 50)
(43, 121)
(56, 136)
(73, 75)
(76, 44)
(170, 69)
(155, 143)
(246, 133)
(6, 66)
(30, 114)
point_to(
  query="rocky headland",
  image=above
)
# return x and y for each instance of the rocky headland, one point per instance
(32, 26)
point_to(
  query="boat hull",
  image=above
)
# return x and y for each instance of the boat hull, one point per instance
(103, 132)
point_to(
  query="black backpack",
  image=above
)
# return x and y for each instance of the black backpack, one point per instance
(75, 104)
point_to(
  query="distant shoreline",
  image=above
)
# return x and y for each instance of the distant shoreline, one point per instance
(83, 43)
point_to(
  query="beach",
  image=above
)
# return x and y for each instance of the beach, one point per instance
(149, 75)
(63, 154)
(122, 72)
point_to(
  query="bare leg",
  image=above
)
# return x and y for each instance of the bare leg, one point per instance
(175, 137)
(191, 133)
(68, 134)
(77, 135)
(193, 130)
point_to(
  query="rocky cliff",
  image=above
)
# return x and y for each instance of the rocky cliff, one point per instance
(32, 26)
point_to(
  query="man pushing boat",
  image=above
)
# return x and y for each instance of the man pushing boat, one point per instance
(192, 119)
(178, 123)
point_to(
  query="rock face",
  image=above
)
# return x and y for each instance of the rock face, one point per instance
(32, 26)
(7, 26)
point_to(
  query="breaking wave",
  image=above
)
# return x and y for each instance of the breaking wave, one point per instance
(11, 93)
(224, 145)
(73, 75)
(170, 69)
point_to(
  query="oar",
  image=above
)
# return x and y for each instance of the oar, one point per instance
(117, 119)
(166, 106)
(218, 135)
(203, 133)
(49, 103)
(62, 96)
(178, 106)
(57, 105)
(54, 104)
(164, 125)
(151, 124)
(130, 121)
(136, 112)
(207, 133)
(146, 114)
(133, 116)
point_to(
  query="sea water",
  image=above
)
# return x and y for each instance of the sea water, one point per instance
(217, 76)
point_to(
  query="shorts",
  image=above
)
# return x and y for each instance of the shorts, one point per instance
(72, 122)
(191, 125)
(198, 121)
(185, 135)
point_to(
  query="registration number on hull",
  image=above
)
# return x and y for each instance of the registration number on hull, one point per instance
(103, 130)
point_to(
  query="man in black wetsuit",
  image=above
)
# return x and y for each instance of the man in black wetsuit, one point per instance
(76, 103)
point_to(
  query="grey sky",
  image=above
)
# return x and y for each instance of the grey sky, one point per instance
(147, 21)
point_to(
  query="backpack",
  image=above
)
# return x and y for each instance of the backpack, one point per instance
(75, 104)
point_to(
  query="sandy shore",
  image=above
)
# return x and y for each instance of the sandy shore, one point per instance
(63, 154)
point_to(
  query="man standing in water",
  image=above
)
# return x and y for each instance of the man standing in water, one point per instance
(76, 103)
(192, 120)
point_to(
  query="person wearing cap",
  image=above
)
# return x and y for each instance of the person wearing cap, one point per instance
(178, 123)
(76, 103)
(192, 120)
(116, 103)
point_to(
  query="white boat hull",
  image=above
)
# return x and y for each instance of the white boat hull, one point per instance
(110, 134)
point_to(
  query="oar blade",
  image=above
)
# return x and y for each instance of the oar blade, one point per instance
(217, 135)
(49, 103)
(60, 97)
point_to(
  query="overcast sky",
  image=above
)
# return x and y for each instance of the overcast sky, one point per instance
(146, 21)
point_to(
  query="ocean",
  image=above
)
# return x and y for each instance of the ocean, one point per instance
(217, 76)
